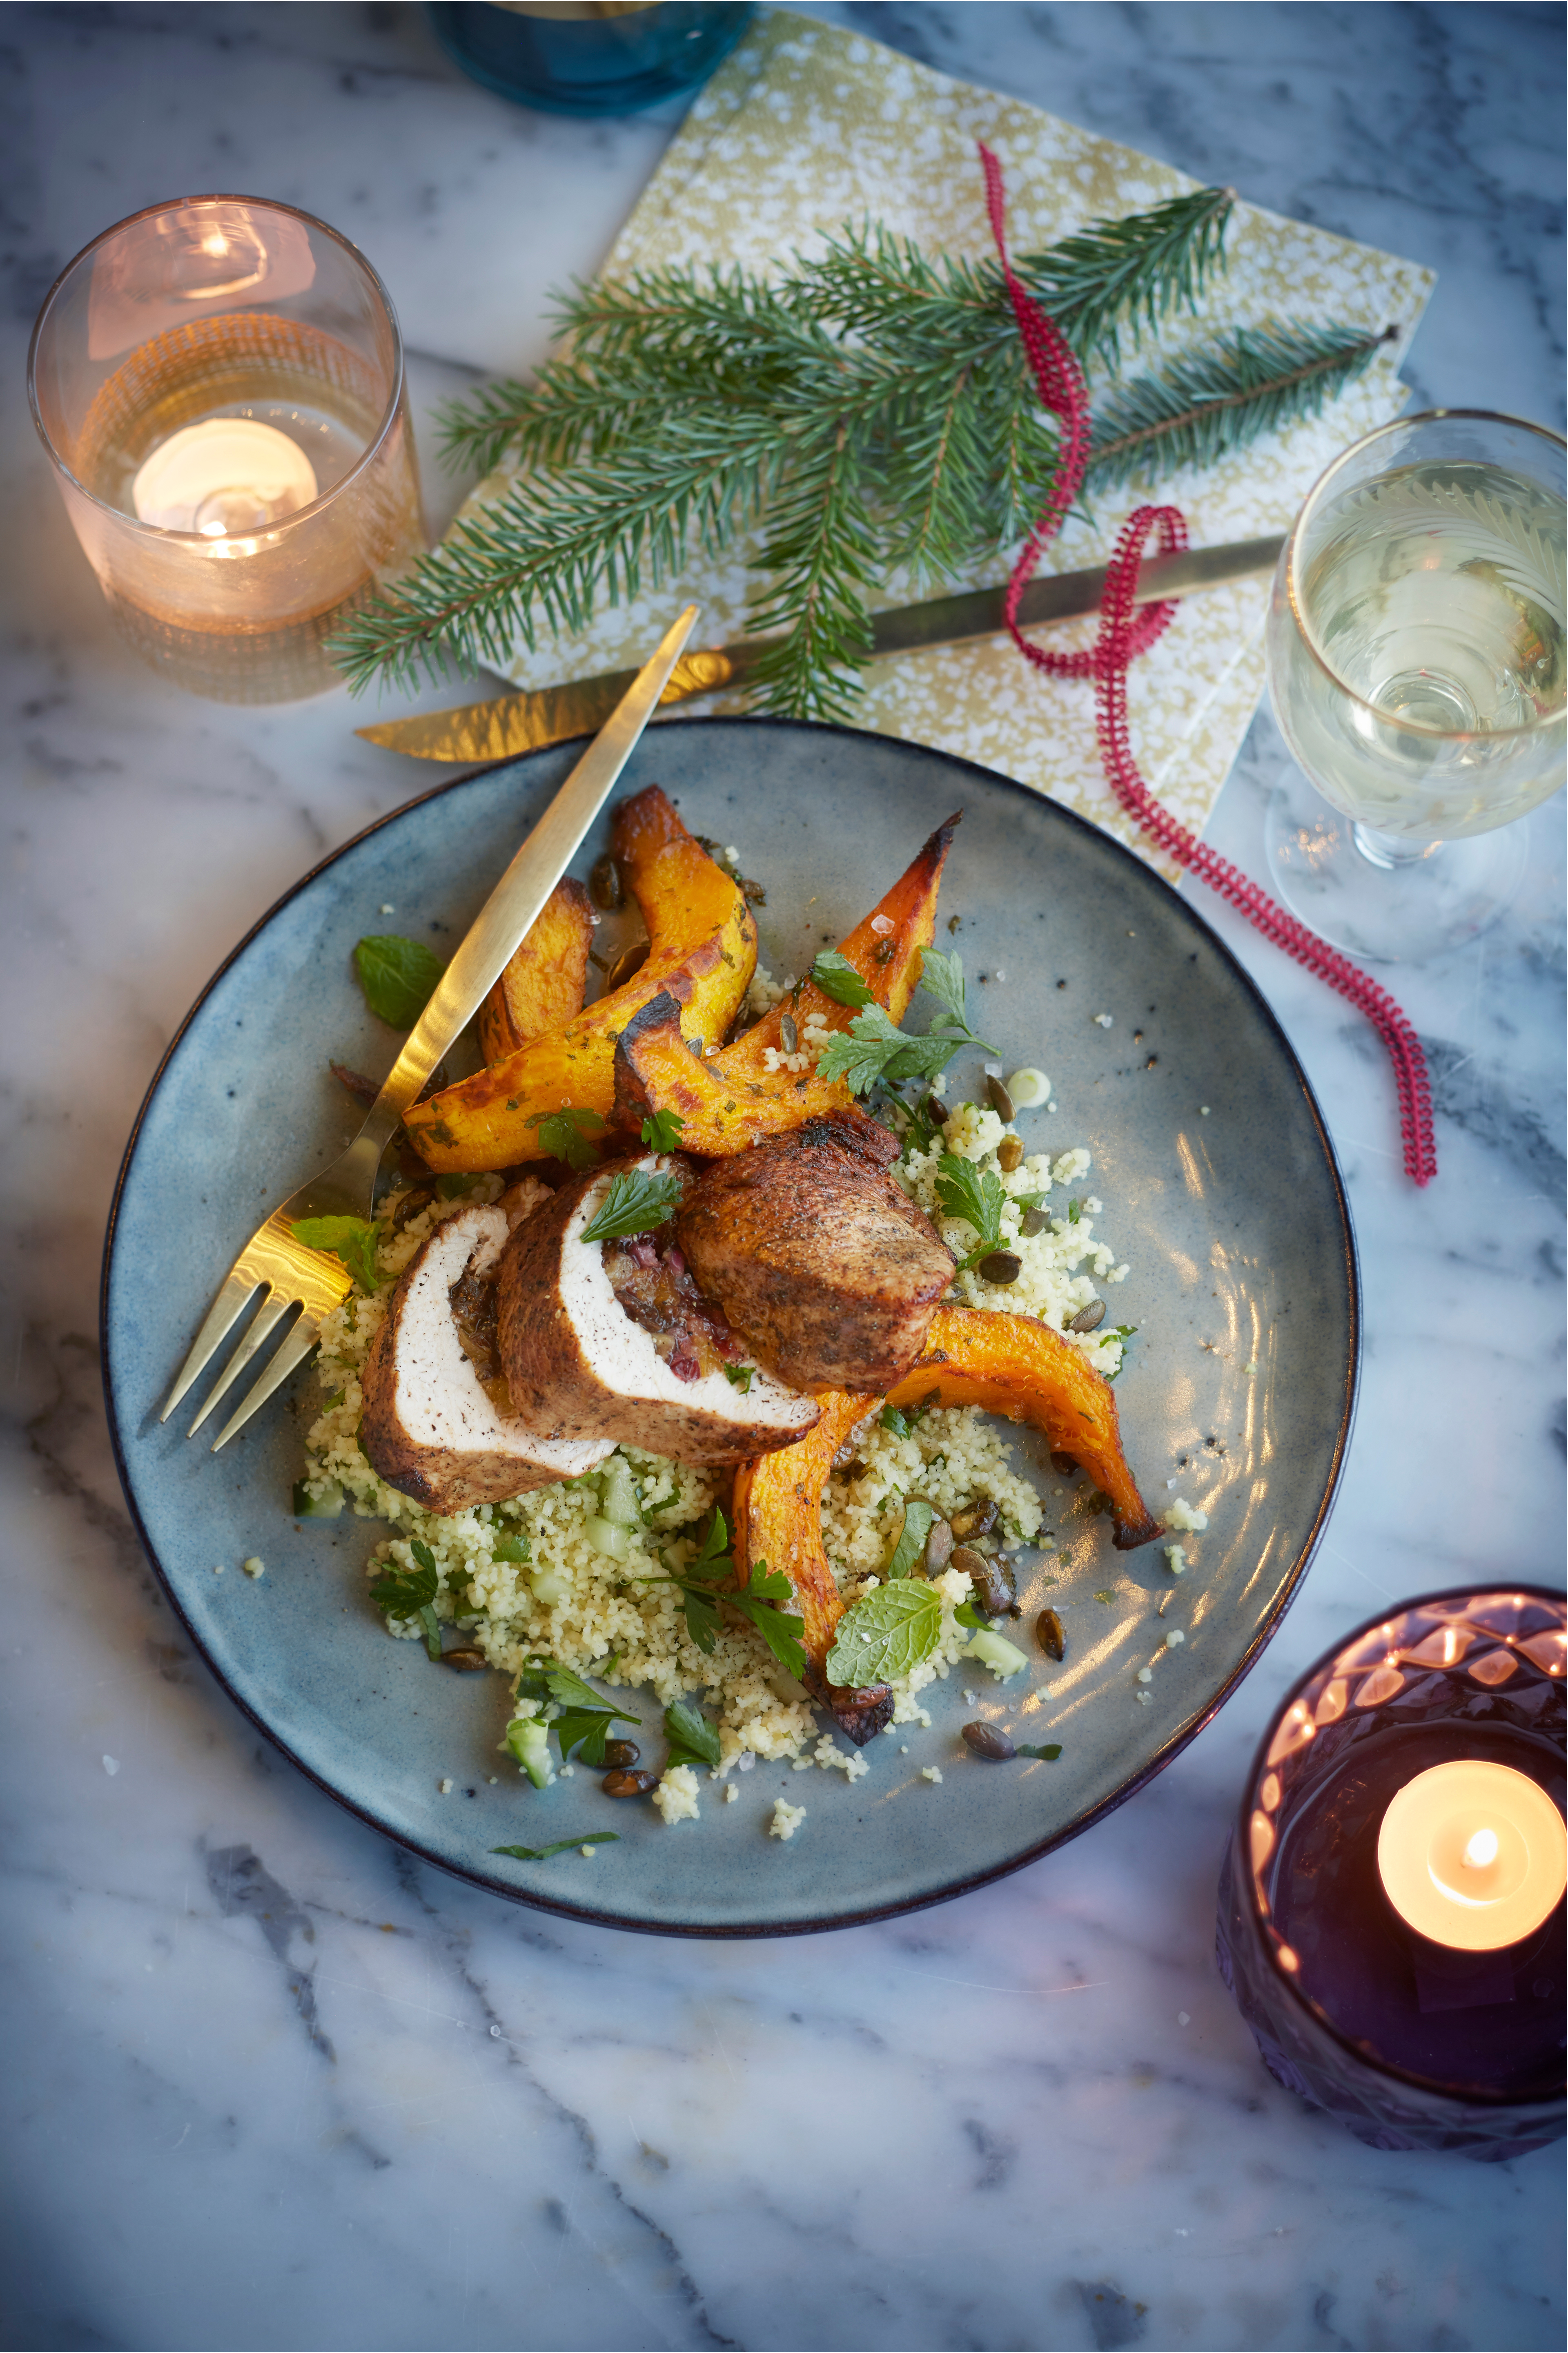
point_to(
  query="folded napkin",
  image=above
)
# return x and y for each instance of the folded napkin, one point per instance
(808, 127)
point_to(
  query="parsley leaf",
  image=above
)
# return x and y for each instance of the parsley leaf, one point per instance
(966, 1615)
(1074, 1210)
(634, 1202)
(411, 1593)
(510, 1549)
(918, 1518)
(560, 1846)
(740, 1376)
(891, 1418)
(398, 977)
(942, 977)
(693, 1740)
(661, 1131)
(586, 1714)
(708, 1580)
(565, 1135)
(353, 1239)
(836, 977)
(1051, 1750)
(885, 1635)
(975, 1194)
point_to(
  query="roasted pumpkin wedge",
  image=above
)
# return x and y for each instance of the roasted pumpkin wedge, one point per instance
(731, 1100)
(778, 1519)
(702, 954)
(542, 987)
(1018, 1368)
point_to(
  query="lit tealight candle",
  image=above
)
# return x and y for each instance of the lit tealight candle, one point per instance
(228, 475)
(1473, 1854)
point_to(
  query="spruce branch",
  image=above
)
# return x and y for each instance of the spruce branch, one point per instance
(1208, 402)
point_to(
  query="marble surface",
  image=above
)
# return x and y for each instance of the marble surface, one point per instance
(266, 2083)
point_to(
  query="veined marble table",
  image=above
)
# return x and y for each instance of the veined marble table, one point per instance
(267, 2082)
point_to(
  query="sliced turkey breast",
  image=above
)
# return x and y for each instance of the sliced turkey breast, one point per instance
(611, 1340)
(439, 1424)
(817, 1255)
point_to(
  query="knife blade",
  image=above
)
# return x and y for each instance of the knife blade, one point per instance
(505, 725)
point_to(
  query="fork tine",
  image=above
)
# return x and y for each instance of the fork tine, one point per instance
(266, 1320)
(300, 1341)
(222, 1316)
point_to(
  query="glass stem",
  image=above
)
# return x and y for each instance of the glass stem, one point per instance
(1389, 851)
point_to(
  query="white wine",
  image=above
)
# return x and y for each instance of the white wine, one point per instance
(1416, 647)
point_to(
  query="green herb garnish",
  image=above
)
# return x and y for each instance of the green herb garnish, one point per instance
(1108, 1597)
(874, 1052)
(693, 1740)
(885, 1635)
(353, 1239)
(912, 1543)
(511, 1549)
(661, 1131)
(975, 1194)
(586, 1714)
(560, 1846)
(967, 1615)
(635, 1203)
(411, 1593)
(836, 977)
(565, 1135)
(700, 1583)
(891, 1418)
(739, 1376)
(1050, 1752)
(1074, 1210)
(398, 976)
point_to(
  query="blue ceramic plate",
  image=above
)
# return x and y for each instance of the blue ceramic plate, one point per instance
(1243, 1288)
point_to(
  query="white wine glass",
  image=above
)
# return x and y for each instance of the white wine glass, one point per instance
(1416, 664)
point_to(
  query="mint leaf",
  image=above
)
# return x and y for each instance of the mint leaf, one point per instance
(661, 1131)
(1050, 1752)
(353, 1239)
(912, 1543)
(634, 1202)
(892, 1420)
(565, 1135)
(398, 977)
(560, 1846)
(693, 1740)
(740, 1376)
(836, 977)
(887, 1634)
(975, 1194)
(967, 1615)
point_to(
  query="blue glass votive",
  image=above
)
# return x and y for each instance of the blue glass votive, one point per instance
(1408, 2043)
(571, 57)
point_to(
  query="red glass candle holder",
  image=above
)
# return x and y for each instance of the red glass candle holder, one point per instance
(1409, 2043)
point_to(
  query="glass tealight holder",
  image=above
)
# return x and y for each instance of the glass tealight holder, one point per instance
(219, 385)
(1408, 2040)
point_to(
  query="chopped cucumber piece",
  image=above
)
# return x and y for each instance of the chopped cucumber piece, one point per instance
(317, 1507)
(548, 1586)
(607, 1537)
(994, 1651)
(619, 1496)
(528, 1738)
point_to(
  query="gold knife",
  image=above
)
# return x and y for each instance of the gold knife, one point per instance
(508, 724)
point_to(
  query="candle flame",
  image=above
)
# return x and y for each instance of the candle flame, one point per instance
(1480, 1849)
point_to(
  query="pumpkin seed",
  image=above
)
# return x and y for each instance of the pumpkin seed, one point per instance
(621, 1752)
(989, 1740)
(790, 1034)
(977, 1521)
(1003, 1266)
(623, 1784)
(629, 962)
(939, 1547)
(992, 1581)
(1033, 1222)
(1089, 1318)
(1065, 1464)
(604, 885)
(466, 1661)
(1049, 1635)
(1000, 1101)
(1009, 1152)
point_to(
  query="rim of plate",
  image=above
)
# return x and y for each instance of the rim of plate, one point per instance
(965, 1885)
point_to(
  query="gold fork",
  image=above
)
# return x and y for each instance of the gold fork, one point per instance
(273, 1262)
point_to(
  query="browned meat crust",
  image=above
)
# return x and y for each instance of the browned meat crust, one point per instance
(816, 1256)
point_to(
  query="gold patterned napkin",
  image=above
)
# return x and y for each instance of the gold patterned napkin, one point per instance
(806, 127)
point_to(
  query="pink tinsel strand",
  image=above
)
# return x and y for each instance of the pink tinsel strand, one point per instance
(1126, 630)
